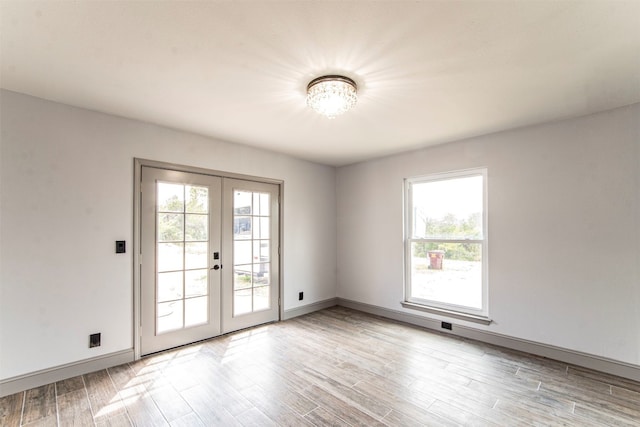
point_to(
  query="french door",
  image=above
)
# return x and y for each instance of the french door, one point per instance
(209, 260)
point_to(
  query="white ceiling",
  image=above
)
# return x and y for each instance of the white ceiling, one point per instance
(428, 72)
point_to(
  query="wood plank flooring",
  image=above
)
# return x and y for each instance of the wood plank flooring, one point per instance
(336, 367)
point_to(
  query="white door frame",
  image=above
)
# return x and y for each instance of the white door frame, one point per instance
(137, 227)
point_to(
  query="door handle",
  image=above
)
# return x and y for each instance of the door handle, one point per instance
(217, 267)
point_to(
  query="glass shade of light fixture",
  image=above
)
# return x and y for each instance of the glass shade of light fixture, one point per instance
(332, 95)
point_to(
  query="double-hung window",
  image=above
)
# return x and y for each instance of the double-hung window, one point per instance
(446, 243)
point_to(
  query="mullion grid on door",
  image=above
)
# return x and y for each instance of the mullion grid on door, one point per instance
(184, 242)
(249, 215)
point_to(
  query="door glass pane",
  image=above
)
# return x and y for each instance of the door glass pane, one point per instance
(265, 204)
(197, 199)
(196, 311)
(256, 251)
(170, 227)
(195, 282)
(242, 302)
(261, 298)
(242, 203)
(265, 251)
(242, 277)
(242, 227)
(196, 227)
(264, 228)
(195, 255)
(170, 197)
(242, 252)
(261, 274)
(169, 316)
(256, 228)
(170, 256)
(169, 286)
(256, 204)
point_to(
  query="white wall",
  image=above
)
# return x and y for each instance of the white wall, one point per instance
(564, 234)
(66, 181)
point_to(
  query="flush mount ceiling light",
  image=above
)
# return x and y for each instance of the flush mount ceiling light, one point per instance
(331, 95)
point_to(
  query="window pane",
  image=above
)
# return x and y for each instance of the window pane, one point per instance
(169, 316)
(169, 286)
(170, 227)
(448, 209)
(170, 197)
(197, 199)
(195, 255)
(196, 227)
(449, 273)
(196, 311)
(195, 282)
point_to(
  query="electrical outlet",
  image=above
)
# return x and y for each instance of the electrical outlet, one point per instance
(300, 296)
(446, 325)
(94, 340)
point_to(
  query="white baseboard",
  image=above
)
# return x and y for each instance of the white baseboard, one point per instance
(602, 364)
(585, 360)
(59, 373)
(47, 376)
(309, 308)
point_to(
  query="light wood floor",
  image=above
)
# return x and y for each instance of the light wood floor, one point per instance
(334, 367)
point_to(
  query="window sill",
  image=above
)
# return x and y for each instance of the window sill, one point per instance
(448, 313)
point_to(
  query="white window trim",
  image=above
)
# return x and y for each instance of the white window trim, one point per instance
(437, 307)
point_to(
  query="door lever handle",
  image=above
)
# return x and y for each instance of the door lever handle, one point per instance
(217, 267)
